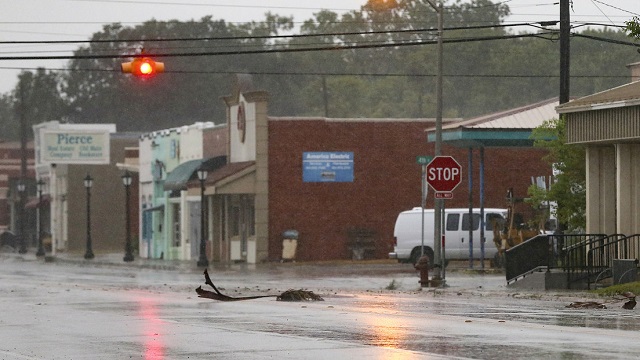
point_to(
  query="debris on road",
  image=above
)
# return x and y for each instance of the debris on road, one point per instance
(289, 295)
(629, 304)
(586, 305)
(631, 300)
(217, 295)
(299, 295)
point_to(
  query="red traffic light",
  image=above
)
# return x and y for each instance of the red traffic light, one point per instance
(143, 67)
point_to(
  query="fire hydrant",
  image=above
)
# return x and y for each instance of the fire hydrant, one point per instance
(423, 266)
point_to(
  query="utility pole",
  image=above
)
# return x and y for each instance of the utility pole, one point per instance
(565, 29)
(325, 96)
(23, 170)
(438, 203)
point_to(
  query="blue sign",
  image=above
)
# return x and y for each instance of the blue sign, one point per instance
(327, 166)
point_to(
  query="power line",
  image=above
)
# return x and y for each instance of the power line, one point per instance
(612, 41)
(263, 37)
(312, 48)
(615, 7)
(316, 73)
(268, 51)
(210, 5)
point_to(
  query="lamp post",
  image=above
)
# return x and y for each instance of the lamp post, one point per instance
(88, 182)
(202, 261)
(126, 180)
(40, 188)
(23, 243)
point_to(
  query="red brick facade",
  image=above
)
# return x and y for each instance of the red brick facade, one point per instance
(386, 181)
(10, 164)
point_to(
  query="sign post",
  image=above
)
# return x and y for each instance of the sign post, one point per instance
(423, 160)
(443, 174)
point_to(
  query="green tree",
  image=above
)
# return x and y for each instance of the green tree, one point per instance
(8, 123)
(633, 27)
(37, 98)
(568, 188)
(392, 81)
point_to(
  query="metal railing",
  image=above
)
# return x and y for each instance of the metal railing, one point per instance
(545, 252)
(584, 258)
(527, 257)
(600, 256)
(574, 259)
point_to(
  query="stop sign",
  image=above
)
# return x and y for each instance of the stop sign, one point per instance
(444, 173)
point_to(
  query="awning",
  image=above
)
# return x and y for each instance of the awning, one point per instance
(177, 179)
(155, 208)
(476, 138)
(35, 202)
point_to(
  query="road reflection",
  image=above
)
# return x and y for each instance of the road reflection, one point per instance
(152, 328)
(382, 329)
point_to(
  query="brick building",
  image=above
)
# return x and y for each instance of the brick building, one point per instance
(267, 188)
(386, 181)
(10, 175)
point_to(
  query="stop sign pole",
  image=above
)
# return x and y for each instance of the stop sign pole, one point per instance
(444, 174)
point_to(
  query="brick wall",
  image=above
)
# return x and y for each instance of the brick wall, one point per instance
(386, 181)
(215, 140)
(10, 168)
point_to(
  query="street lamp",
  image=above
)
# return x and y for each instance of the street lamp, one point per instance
(40, 189)
(88, 182)
(23, 243)
(202, 262)
(126, 180)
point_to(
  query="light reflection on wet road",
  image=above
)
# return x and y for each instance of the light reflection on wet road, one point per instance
(81, 312)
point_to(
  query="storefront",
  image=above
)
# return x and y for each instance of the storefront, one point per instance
(75, 217)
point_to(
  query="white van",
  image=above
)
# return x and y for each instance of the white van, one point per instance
(408, 236)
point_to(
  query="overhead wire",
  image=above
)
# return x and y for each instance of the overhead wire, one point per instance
(266, 51)
(615, 7)
(359, 45)
(259, 37)
(595, 3)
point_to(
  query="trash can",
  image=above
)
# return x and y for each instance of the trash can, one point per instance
(289, 245)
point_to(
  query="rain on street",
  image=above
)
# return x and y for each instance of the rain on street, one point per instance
(86, 311)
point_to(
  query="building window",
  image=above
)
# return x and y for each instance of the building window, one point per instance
(176, 225)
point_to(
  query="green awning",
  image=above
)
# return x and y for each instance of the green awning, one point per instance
(475, 138)
(178, 178)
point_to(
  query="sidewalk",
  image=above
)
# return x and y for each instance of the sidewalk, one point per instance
(110, 259)
(355, 274)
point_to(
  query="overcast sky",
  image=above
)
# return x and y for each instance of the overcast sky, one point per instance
(22, 20)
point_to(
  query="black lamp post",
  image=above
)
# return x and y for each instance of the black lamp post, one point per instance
(88, 182)
(202, 262)
(126, 180)
(21, 217)
(40, 188)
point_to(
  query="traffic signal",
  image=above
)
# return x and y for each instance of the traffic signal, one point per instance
(143, 67)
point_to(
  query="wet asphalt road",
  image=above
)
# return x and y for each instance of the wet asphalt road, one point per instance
(84, 310)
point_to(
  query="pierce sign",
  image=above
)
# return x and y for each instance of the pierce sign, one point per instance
(443, 175)
(74, 147)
